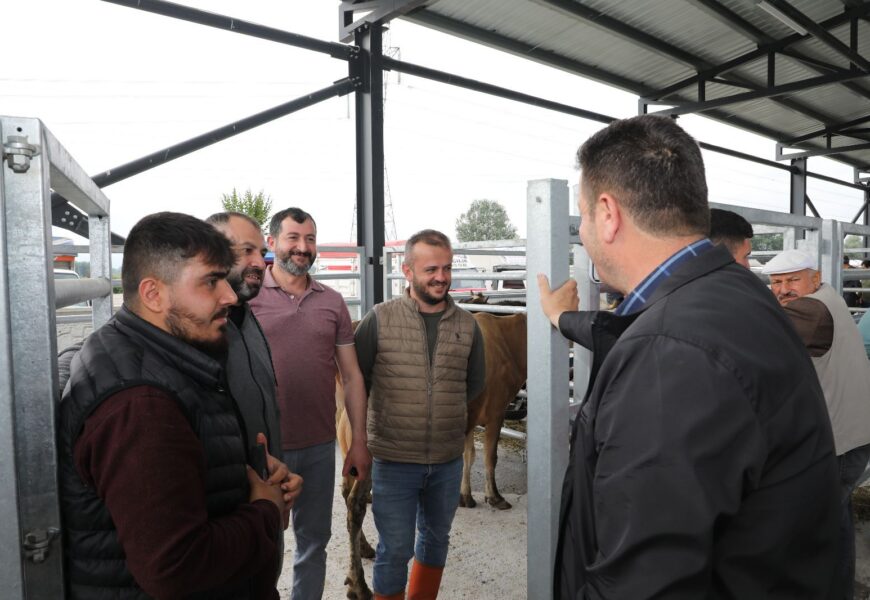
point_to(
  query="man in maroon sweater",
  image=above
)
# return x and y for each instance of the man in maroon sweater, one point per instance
(157, 498)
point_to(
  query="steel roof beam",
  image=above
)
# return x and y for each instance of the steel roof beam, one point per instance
(628, 33)
(185, 13)
(770, 92)
(378, 11)
(763, 50)
(502, 42)
(821, 33)
(819, 152)
(831, 129)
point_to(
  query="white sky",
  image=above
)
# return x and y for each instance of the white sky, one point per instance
(114, 84)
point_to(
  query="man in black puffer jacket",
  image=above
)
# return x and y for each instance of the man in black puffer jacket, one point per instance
(702, 460)
(156, 495)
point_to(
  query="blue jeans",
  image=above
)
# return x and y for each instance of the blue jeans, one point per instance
(852, 464)
(402, 494)
(312, 516)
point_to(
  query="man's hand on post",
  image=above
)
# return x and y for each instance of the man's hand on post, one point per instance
(555, 302)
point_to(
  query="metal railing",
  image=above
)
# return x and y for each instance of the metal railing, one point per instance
(34, 164)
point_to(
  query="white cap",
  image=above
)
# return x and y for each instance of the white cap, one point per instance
(789, 261)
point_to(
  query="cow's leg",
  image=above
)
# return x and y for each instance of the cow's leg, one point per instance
(357, 589)
(465, 497)
(490, 458)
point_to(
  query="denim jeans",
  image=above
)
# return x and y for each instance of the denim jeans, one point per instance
(405, 493)
(312, 516)
(852, 464)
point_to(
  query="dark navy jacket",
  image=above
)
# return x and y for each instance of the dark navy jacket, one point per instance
(702, 461)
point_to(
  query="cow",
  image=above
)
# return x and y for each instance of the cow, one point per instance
(504, 344)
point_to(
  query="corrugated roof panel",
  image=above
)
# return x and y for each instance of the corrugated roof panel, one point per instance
(698, 37)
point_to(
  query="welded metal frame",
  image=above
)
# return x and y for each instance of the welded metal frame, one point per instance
(28, 351)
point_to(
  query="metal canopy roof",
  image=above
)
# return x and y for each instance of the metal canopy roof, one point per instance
(794, 71)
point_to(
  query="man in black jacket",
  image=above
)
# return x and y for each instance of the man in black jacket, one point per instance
(702, 461)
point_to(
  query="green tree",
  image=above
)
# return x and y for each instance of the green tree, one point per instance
(257, 206)
(484, 220)
(766, 242)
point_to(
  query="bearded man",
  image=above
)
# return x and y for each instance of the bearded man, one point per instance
(423, 361)
(309, 331)
(156, 496)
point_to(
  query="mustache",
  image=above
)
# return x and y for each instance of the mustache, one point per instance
(789, 294)
(252, 271)
(298, 253)
(221, 314)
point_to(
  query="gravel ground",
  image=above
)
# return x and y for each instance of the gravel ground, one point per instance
(487, 556)
(488, 547)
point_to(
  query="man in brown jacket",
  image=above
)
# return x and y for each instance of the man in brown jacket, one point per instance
(422, 359)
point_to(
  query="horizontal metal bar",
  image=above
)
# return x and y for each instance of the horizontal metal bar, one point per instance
(170, 153)
(830, 129)
(744, 156)
(771, 92)
(849, 184)
(186, 13)
(780, 155)
(769, 217)
(61, 249)
(333, 276)
(70, 180)
(492, 308)
(72, 291)
(517, 243)
(392, 64)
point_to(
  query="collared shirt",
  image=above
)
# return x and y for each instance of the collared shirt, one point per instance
(639, 296)
(303, 331)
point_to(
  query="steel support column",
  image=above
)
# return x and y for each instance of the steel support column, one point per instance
(28, 292)
(547, 250)
(370, 163)
(798, 195)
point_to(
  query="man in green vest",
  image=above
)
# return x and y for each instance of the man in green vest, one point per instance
(422, 359)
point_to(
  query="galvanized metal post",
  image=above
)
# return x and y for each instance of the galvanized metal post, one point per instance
(370, 161)
(101, 265)
(11, 563)
(798, 195)
(831, 254)
(547, 250)
(29, 260)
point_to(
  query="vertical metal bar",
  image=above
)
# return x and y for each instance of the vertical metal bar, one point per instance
(101, 265)
(34, 355)
(590, 299)
(547, 210)
(798, 202)
(370, 159)
(831, 253)
(11, 573)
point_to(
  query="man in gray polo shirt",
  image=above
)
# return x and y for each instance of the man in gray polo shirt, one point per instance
(309, 330)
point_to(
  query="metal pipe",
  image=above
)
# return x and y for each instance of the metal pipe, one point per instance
(72, 291)
(186, 13)
(165, 155)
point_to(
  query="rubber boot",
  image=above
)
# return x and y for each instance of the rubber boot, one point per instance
(424, 581)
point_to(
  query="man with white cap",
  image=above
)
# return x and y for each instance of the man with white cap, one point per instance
(823, 322)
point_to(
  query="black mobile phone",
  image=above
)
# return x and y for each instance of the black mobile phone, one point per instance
(258, 461)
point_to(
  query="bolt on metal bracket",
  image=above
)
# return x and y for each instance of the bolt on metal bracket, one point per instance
(37, 542)
(17, 153)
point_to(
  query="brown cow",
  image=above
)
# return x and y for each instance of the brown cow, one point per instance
(504, 343)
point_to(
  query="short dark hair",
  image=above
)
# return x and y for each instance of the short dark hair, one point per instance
(220, 219)
(656, 170)
(729, 227)
(430, 237)
(297, 214)
(159, 244)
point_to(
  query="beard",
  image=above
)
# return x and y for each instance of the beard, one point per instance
(423, 293)
(244, 290)
(177, 320)
(285, 261)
